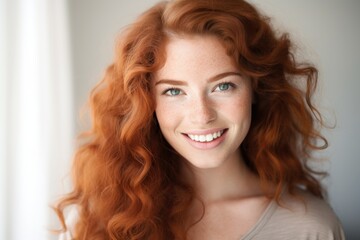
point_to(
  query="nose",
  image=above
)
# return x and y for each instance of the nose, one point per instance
(202, 111)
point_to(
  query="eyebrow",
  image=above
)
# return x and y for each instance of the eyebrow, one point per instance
(212, 79)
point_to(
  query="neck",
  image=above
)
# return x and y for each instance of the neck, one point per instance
(232, 180)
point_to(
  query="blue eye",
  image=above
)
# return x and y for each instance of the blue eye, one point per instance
(173, 92)
(223, 87)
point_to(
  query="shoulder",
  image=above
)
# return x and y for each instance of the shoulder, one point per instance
(309, 212)
(303, 216)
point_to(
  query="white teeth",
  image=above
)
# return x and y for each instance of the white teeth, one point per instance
(206, 138)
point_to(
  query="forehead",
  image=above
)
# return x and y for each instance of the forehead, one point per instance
(195, 56)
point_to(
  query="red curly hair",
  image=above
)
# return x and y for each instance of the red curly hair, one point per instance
(126, 177)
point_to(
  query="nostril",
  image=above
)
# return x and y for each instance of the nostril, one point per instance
(202, 110)
(203, 114)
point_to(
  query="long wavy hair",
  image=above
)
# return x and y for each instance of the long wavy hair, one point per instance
(126, 180)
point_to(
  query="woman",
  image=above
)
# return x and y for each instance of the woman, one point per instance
(202, 129)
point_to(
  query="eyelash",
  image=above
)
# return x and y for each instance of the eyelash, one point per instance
(231, 86)
(167, 92)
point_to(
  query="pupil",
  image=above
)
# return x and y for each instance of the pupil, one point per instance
(224, 86)
(175, 91)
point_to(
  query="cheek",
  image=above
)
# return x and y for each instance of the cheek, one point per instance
(240, 104)
(167, 116)
(240, 111)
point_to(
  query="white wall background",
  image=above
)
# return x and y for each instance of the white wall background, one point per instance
(36, 123)
(328, 34)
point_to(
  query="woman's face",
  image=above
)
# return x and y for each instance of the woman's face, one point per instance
(203, 103)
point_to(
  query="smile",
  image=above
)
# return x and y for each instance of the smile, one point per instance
(206, 138)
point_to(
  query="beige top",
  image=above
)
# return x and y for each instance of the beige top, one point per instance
(304, 218)
(308, 219)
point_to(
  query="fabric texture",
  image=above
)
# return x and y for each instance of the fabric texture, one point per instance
(300, 217)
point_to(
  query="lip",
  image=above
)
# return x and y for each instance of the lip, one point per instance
(205, 145)
(205, 132)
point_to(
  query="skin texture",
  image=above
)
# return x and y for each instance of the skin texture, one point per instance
(201, 100)
(199, 91)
